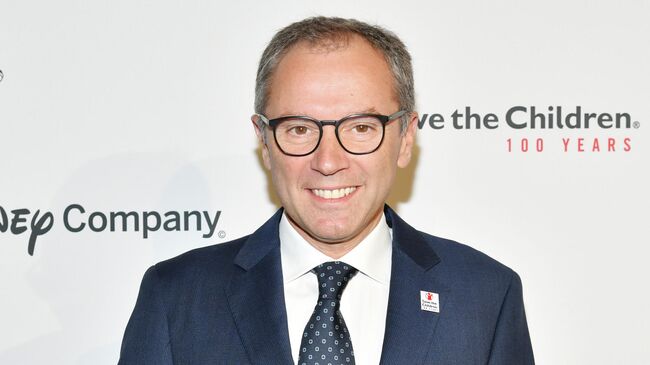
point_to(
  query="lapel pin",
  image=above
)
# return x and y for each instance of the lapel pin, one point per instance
(429, 301)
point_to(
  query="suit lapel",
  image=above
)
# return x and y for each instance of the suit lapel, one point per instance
(256, 297)
(409, 329)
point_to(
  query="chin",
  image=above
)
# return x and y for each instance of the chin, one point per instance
(328, 231)
(327, 237)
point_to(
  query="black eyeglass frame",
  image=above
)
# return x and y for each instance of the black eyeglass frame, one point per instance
(384, 119)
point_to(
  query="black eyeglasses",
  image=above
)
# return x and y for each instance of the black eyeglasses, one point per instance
(358, 134)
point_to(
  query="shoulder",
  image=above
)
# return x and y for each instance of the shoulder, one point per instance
(451, 261)
(467, 265)
(212, 266)
(192, 266)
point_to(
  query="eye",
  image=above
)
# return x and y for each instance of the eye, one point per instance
(300, 130)
(362, 128)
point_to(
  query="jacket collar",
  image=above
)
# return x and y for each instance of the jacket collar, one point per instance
(259, 244)
(409, 241)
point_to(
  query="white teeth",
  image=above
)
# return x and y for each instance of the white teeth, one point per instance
(334, 194)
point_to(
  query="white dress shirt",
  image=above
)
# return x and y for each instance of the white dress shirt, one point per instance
(364, 301)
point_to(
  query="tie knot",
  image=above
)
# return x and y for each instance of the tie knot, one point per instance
(333, 276)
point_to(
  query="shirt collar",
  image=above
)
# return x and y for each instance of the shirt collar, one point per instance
(372, 256)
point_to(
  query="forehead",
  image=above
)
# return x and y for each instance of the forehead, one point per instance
(331, 80)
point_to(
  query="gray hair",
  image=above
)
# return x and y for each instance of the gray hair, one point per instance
(333, 32)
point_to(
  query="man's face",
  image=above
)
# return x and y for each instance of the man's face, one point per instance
(330, 84)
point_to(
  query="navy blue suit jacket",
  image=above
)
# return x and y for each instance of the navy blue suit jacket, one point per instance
(224, 304)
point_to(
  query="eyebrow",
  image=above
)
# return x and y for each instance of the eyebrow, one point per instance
(369, 110)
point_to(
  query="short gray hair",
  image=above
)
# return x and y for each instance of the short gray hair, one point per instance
(333, 31)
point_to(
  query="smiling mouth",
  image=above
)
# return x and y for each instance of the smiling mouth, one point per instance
(334, 193)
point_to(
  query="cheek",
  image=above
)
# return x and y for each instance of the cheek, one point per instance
(380, 170)
(279, 174)
(389, 156)
(286, 171)
(384, 167)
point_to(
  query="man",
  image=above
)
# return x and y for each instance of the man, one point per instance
(336, 276)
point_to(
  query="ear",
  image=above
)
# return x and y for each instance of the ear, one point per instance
(408, 140)
(259, 132)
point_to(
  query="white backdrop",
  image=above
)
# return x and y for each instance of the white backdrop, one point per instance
(136, 105)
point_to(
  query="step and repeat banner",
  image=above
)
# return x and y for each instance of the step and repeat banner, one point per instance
(125, 139)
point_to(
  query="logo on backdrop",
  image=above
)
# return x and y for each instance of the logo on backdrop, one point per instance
(540, 120)
(76, 218)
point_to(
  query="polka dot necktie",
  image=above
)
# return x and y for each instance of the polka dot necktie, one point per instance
(326, 340)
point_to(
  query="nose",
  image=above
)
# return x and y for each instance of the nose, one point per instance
(330, 157)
